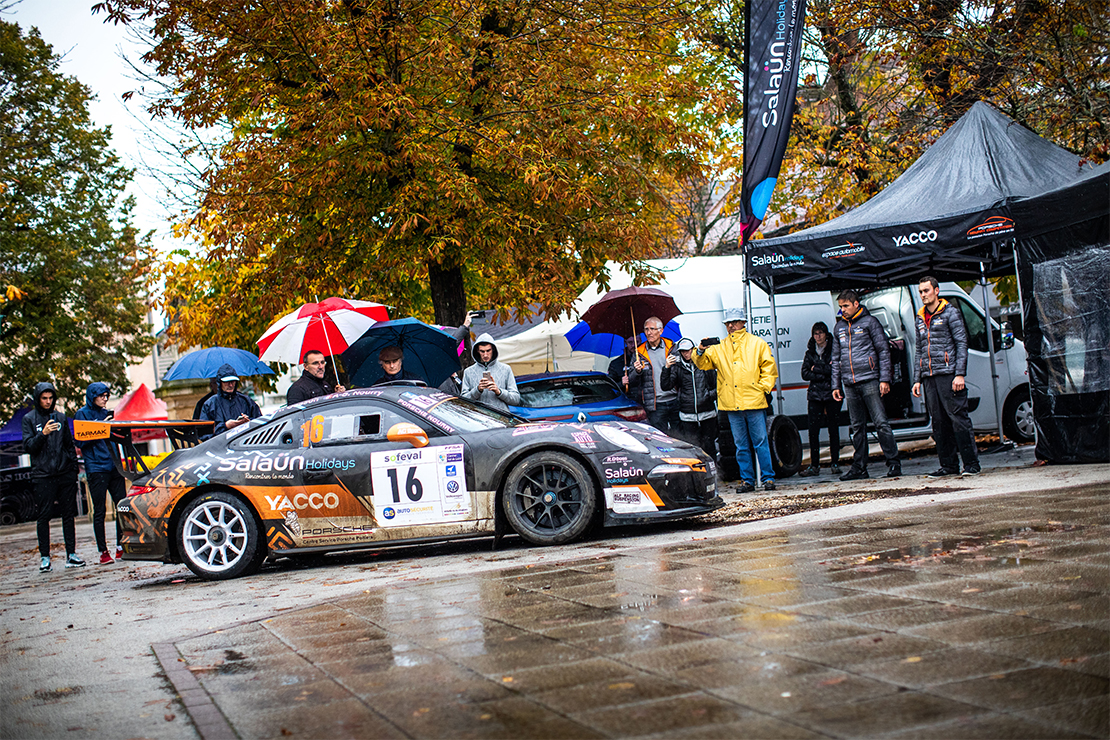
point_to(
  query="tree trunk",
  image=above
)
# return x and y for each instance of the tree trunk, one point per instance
(448, 294)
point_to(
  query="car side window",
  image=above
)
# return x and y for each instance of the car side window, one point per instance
(973, 320)
(344, 425)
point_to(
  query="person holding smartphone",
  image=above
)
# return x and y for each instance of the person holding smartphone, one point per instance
(487, 380)
(49, 441)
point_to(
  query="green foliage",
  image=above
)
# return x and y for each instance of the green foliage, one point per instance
(72, 269)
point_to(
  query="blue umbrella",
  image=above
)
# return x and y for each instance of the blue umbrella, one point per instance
(204, 363)
(430, 353)
(610, 345)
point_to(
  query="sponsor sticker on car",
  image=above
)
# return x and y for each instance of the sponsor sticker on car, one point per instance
(630, 499)
(419, 486)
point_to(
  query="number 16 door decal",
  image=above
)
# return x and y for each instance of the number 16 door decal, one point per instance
(419, 486)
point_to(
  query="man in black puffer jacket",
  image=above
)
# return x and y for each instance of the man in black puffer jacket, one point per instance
(824, 410)
(48, 440)
(939, 371)
(861, 374)
(697, 397)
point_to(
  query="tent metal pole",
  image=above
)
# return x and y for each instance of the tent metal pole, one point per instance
(990, 350)
(775, 349)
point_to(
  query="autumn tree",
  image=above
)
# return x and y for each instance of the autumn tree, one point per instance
(72, 270)
(884, 79)
(421, 152)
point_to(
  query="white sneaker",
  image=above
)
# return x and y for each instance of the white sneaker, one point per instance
(72, 561)
(44, 565)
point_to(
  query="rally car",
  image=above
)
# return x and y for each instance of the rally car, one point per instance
(393, 464)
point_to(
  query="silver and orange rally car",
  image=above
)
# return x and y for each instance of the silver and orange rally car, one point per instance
(391, 464)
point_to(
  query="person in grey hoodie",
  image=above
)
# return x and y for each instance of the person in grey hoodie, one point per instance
(100, 470)
(49, 442)
(488, 380)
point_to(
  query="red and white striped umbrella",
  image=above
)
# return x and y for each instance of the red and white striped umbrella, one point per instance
(328, 326)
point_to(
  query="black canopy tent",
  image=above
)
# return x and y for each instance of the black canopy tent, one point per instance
(1064, 277)
(946, 214)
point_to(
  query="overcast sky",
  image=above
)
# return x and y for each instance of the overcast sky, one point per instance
(91, 50)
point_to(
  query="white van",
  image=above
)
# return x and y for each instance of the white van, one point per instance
(702, 286)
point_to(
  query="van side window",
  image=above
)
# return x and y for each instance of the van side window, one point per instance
(976, 326)
(886, 306)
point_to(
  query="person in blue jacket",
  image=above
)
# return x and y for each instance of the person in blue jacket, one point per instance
(100, 471)
(229, 408)
(49, 441)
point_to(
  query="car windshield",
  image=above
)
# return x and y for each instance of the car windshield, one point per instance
(460, 415)
(550, 392)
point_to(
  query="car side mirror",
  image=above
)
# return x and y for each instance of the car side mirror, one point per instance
(406, 432)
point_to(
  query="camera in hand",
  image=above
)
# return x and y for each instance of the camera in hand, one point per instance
(710, 341)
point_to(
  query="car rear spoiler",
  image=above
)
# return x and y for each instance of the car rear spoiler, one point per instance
(129, 461)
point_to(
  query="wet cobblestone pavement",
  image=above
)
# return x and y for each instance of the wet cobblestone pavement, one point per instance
(981, 618)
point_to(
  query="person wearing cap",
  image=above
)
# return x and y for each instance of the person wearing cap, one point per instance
(229, 408)
(392, 360)
(746, 372)
(697, 397)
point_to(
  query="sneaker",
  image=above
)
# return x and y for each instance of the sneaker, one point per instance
(745, 487)
(972, 471)
(105, 558)
(769, 485)
(72, 561)
(835, 470)
(44, 565)
(942, 473)
(119, 553)
(811, 470)
(894, 471)
(855, 474)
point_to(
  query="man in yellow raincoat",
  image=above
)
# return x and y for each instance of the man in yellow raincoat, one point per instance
(745, 372)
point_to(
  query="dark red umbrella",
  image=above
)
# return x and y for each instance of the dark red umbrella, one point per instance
(624, 311)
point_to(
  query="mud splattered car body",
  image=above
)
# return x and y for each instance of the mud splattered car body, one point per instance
(398, 464)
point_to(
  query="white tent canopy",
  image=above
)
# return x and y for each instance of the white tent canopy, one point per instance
(694, 283)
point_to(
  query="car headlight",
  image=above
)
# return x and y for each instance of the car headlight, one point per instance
(621, 439)
(665, 469)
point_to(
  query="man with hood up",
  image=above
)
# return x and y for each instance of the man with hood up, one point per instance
(100, 471)
(487, 380)
(49, 441)
(229, 408)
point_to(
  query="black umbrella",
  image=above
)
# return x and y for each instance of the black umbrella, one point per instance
(431, 353)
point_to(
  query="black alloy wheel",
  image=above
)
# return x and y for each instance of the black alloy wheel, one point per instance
(549, 498)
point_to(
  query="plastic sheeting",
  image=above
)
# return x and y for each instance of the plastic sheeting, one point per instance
(1066, 294)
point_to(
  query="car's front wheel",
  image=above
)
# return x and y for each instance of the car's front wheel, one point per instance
(218, 537)
(549, 498)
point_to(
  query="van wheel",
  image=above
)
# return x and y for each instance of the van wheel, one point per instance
(1017, 416)
(786, 446)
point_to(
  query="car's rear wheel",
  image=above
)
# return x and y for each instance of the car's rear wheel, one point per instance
(549, 498)
(218, 537)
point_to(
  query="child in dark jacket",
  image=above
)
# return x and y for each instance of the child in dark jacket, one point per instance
(823, 410)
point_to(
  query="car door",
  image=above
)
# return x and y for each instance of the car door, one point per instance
(334, 503)
(419, 486)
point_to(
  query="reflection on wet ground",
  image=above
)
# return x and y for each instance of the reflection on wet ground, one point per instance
(981, 619)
